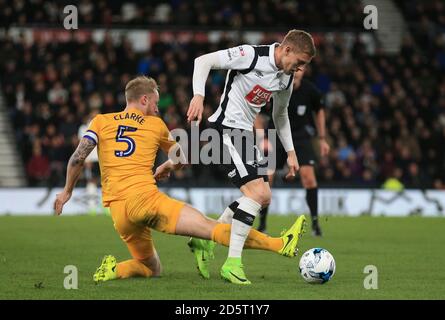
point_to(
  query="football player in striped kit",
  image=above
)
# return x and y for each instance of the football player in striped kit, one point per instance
(256, 74)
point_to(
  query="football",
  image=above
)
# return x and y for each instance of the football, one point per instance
(317, 265)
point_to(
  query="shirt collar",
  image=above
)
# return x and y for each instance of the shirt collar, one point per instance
(272, 55)
(133, 109)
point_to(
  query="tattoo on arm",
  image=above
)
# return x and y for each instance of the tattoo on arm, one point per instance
(83, 150)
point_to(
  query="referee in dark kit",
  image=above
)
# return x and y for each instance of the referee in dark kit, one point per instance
(306, 105)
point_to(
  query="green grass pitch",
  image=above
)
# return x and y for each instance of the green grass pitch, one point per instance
(408, 253)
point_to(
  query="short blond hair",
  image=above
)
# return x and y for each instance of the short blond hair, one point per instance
(139, 86)
(301, 41)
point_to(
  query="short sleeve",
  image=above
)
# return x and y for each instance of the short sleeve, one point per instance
(236, 58)
(166, 141)
(92, 133)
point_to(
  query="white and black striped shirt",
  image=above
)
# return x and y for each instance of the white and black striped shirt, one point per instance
(252, 80)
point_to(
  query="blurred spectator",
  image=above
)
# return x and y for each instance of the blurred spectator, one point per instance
(385, 113)
(335, 97)
(414, 177)
(344, 149)
(37, 168)
(182, 13)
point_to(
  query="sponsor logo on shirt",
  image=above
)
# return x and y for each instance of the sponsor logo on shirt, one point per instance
(253, 164)
(235, 52)
(258, 95)
(259, 74)
(232, 173)
(282, 85)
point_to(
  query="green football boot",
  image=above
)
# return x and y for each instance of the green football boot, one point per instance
(203, 252)
(232, 271)
(107, 270)
(292, 236)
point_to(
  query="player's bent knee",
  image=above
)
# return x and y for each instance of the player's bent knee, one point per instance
(262, 196)
(154, 264)
(258, 191)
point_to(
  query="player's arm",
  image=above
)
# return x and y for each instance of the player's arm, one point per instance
(236, 58)
(281, 120)
(74, 170)
(203, 65)
(176, 161)
(320, 122)
(176, 156)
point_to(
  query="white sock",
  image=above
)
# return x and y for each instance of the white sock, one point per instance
(242, 222)
(226, 216)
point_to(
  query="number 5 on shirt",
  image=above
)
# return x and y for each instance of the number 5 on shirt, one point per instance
(129, 141)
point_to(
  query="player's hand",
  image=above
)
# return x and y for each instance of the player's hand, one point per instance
(196, 108)
(61, 199)
(162, 172)
(292, 163)
(324, 147)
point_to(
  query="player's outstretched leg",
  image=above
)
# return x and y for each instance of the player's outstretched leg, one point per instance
(109, 269)
(292, 236)
(286, 244)
(193, 223)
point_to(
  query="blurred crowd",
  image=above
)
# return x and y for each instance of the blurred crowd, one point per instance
(385, 114)
(198, 13)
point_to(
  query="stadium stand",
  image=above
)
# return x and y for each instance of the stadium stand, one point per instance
(182, 13)
(386, 113)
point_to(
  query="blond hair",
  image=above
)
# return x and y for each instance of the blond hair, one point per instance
(139, 86)
(301, 41)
